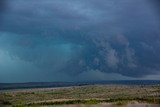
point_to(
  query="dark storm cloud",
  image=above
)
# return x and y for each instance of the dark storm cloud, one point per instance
(79, 39)
(2, 5)
(156, 4)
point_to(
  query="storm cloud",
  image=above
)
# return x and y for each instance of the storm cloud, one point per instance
(79, 40)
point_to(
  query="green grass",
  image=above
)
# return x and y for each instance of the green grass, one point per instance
(91, 101)
(93, 94)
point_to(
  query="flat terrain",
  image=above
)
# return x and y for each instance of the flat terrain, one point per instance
(81, 94)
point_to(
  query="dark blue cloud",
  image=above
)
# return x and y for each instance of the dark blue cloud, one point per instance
(79, 39)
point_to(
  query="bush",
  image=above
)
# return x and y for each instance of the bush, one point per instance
(6, 103)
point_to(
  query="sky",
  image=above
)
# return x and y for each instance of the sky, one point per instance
(79, 40)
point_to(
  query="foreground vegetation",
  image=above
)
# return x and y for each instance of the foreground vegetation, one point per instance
(91, 94)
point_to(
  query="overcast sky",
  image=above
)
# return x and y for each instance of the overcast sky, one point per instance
(79, 40)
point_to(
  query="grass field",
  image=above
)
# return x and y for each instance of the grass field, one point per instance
(90, 94)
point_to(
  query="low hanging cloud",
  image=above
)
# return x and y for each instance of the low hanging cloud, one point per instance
(78, 40)
(112, 59)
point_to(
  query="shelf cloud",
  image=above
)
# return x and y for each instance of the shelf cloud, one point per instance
(79, 40)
